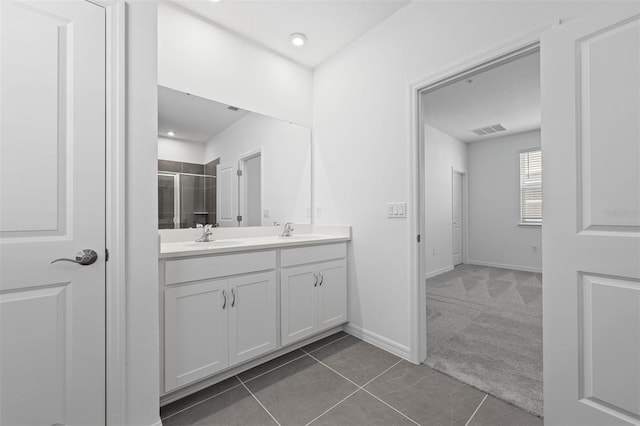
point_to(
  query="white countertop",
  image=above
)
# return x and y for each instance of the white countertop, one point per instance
(181, 243)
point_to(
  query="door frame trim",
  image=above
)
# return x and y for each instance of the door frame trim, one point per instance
(484, 61)
(115, 279)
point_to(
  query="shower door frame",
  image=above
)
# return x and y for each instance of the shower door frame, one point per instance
(508, 51)
(177, 198)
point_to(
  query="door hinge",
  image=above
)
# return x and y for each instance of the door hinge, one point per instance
(106, 255)
(239, 218)
(239, 172)
(418, 238)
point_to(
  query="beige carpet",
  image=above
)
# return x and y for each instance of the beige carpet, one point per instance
(484, 327)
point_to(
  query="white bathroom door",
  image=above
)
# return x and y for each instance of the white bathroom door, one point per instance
(591, 236)
(251, 190)
(456, 218)
(227, 195)
(52, 205)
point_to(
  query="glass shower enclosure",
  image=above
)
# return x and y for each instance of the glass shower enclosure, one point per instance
(185, 200)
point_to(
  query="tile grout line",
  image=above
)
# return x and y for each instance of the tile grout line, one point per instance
(363, 389)
(477, 408)
(334, 406)
(200, 402)
(273, 369)
(324, 346)
(392, 407)
(384, 402)
(305, 353)
(258, 401)
(352, 393)
(339, 374)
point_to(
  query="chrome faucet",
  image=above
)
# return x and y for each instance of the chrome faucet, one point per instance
(207, 234)
(288, 229)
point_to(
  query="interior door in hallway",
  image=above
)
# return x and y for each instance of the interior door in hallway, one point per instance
(591, 235)
(456, 218)
(52, 205)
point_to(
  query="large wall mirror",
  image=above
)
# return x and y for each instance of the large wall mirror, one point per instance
(221, 165)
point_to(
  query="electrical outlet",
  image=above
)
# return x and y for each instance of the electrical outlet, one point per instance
(434, 252)
(534, 249)
(318, 212)
(266, 213)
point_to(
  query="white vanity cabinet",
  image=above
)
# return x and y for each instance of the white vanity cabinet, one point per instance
(216, 323)
(223, 312)
(313, 290)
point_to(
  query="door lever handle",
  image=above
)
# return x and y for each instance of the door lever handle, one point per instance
(83, 257)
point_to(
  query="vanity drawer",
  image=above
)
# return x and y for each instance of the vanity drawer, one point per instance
(206, 267)
(319, 253)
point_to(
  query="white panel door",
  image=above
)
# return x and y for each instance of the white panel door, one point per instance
(332, 294)
(456, 218)
(591, 234)
(298, 303)
(251, 191)
(252, 316)
(227, 194)
(52, 205)
(196, 327)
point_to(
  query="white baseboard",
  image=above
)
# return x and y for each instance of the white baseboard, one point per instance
(505, 266)
(379, 341)
(438, 271)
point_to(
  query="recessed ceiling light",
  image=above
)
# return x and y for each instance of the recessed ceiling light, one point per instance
(170, 133)
(214, 1)
(298, 39)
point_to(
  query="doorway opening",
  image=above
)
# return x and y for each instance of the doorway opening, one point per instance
(481, 221)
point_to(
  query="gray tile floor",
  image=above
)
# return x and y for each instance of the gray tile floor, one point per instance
(342, 381)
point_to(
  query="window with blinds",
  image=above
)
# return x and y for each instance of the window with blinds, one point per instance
(531, 187)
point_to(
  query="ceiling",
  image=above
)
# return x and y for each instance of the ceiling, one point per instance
(329, 25)
(191, 117)
(507, 95)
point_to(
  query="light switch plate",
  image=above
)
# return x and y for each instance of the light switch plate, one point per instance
(397, 210)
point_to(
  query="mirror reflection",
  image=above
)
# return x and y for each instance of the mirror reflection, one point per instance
(221, 165)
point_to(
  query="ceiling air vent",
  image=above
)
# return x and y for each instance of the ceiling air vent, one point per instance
(489, 129)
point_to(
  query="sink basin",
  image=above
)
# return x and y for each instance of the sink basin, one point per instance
(214, 244)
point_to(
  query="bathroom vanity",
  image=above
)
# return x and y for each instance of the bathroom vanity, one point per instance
(244, 298)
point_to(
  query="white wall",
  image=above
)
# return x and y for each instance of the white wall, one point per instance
(198, 57)
(181, 150)
(495, 238)
(286, 163)
(362, 136)
(442, 153)
(142, 338)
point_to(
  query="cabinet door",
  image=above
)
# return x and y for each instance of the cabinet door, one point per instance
(252, 316)
(332, 294)
(196, 332)
(298, 304)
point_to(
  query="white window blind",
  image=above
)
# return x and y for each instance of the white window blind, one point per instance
(531, 187)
